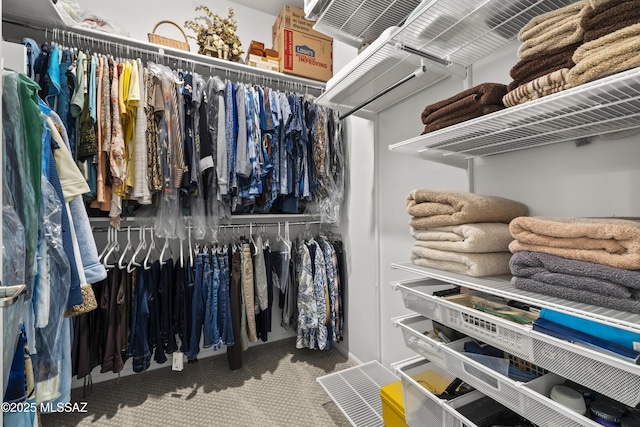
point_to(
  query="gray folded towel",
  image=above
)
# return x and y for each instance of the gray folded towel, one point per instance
(623, 304)
(560, 271)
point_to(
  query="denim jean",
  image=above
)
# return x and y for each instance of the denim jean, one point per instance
(139, 338)
(210, 290)
(197, 309)
(224, 315)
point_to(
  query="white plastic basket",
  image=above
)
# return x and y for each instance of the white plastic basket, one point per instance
(413, 328)
(422, 408)
(522, 398)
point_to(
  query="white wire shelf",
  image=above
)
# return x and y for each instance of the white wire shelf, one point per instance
(501, 286)
(603, 106)
(452, 34)
(355, 21)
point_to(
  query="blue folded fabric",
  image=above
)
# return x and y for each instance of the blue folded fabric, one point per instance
(628, 339)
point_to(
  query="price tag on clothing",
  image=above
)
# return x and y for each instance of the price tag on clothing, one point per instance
(178, 363)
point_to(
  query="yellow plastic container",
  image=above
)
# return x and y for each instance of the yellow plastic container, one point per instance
(393, 405)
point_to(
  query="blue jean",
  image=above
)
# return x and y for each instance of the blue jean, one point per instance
(197, 310)
(224, 314)
(212, 286)
(139, 338)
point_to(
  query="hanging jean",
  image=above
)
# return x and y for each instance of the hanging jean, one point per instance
(234, 351)
(167, 335)
(197, 309)
(248, 291)
(224, 314)
(139, 339)
(155, 307)
(211, 283)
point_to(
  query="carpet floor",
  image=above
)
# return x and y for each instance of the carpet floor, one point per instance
(276, 386)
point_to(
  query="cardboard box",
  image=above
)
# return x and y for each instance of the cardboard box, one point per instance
(262, 62)
(303, 51)
(292, 18)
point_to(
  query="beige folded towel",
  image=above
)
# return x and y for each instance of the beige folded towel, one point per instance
(436, 208)
(613, 53)
(609, 241)
(476, 238)
(470, 264)
(553, 30)
(542, 86)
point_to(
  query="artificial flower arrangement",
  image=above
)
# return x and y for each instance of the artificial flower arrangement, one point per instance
(215, 35)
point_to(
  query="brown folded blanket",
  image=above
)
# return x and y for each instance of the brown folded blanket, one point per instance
(471, 238)
(609, 17)
(608, 241)
(487, 94)
(470, 264)
(462, 116)
(542, 86)
(613, 53)
(436, 208)
(540, 64)
(552, 30)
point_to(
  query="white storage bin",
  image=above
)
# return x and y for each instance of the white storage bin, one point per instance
(413, 295)
(413, 327)
(527, 401)
(421, 407)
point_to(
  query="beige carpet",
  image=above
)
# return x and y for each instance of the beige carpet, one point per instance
(275, 387)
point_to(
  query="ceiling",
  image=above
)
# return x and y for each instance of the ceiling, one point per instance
(272, 7)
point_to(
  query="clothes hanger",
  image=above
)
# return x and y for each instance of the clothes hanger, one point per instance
(127, 248)
(115, 249)
(107, 246)
(164, 248)
(181, 253)
(253, 242)
(141, 245)
(190, 250)
(152, 246)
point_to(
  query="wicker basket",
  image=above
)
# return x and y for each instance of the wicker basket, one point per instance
(165, 41)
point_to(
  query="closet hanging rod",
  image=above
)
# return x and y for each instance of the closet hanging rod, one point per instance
(161, 54)
(230, 226)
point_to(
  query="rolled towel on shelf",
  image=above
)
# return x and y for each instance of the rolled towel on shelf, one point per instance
(553, 30)
(541, 64)
(609, 17)
(485, 94)
(575, 274)
(462, 116)
(611, 54)
(623, 304)
(470, 264)
(608, 241)
(475, 238)
(436, 208)
(542, 86)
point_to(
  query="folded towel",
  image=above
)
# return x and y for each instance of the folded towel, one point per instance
(470, 264)
(609, 18)
(553, 30)
(486, 94)
(538, 88)
(607, 241)
(436, 208)
(560, 271)
(462, 116)
(624, 304)
(597, 3)
(476, 238)
(540, 64)
(606, 55)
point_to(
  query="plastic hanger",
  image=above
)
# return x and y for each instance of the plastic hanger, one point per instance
(190, 250)
(253, 242)
(152, 246)
(181, 253)
(131, 266)
(164, 249)
(115, 248)
(107, 246)
(285, 244)
(127, 248)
